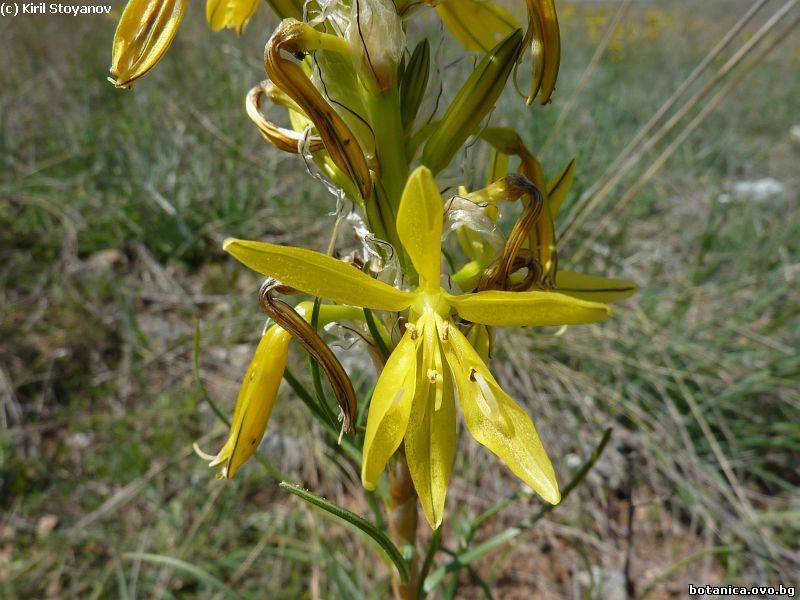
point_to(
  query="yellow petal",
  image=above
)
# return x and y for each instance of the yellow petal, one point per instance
(430, 441)
(590, 287)
(389, 409)
(254, 403)
(481, 339)
(233, 14)
(317, 274)
(477, 25)
(419, 225)
(496, 421)
(527, 308)
(144, 34)
(559, 186)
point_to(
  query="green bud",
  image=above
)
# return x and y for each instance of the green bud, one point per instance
(287, 9)
(472, 103)
(414, 82)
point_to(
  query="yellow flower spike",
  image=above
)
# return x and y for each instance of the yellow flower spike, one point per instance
(591, 287)
(496, 421)
(477, 25)
(233, 14)
(430, 440)
(144, 34)
(390, 408)
(419, 225)
(317, 274)
(254, 403)
(520, 309)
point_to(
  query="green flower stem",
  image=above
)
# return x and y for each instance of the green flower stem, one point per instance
(390, 144)
(390, 150)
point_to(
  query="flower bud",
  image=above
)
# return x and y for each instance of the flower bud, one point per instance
(233, 14)
(414, 83)
(472, 103)
(377, 40)
(143, 36)
(544, 37)
(257, 395)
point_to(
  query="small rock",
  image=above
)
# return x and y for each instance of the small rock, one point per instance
(106, 260)
(607, 584)
(794, 133)
(759, 190)
(46, 525)
(79, 441)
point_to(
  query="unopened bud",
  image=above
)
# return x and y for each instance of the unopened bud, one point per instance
(144, 34)
(472, 103)
(414, 83)
(233, 14)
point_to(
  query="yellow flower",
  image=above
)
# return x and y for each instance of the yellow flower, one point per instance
(144, 34)
(257, 395)
(414, 399)
(259, 389)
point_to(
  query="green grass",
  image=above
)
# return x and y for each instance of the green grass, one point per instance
(112, 208)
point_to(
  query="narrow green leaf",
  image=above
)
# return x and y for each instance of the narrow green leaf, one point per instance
(427, 563)
(376, 334)
(360, 523)
(186, 567)
(122, 584)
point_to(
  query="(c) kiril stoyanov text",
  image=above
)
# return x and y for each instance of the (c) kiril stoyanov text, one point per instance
(57, 8)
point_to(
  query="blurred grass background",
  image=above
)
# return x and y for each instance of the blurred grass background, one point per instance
(113, 205)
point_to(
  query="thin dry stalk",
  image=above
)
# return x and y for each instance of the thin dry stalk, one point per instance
(586, 76)
(667, 106)
(667, 153)
(584, 207)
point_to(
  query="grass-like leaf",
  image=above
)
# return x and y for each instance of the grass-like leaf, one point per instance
(352, 518)
(181, 565)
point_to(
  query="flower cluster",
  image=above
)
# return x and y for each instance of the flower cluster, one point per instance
(368, 112)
